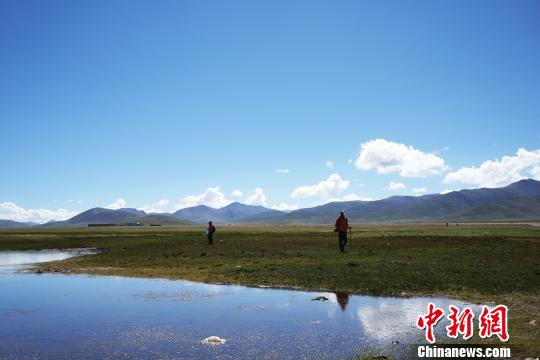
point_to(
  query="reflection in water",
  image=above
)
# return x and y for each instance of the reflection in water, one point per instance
(41, 317)
(14, 260)
(385, 319)
(342, 299)
(8, 258)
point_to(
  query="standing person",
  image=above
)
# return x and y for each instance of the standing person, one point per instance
(211, 230)
(342, 226)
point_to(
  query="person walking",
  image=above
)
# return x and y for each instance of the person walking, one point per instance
(210, 233)
(342, 226)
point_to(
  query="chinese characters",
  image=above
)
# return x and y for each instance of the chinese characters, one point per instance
(491, 322)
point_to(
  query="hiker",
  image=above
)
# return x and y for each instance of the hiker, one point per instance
(211, 230)
(342, 226)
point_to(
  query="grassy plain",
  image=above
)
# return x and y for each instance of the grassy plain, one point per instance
(478, 262)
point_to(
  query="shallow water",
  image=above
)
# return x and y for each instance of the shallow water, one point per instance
(14, 260)
(87, 317)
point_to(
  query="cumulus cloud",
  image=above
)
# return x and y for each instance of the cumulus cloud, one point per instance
(11, 211)
(329, 164)
(237, 193)
(535, 172)
(212, 197)
(158, 207)
(381, 320)
(497, 173)
(285, 207)
(390, 157)
(395, 186)
(282, 171)
(257, 197)
(419, 191)
(330, 187)
(349, 197)
(118, 204)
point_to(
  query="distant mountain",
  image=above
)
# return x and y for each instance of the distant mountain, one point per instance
(517, 201)
(10, 224)
(95, 216)
(159, 219)
(134, 211)
(188, 216)
(117, 217)
(197, 214)
(230, 213)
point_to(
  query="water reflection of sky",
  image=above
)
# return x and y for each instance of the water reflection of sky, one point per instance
(58, 316)
(14, 259)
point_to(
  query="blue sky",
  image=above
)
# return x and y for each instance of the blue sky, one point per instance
(168, 100)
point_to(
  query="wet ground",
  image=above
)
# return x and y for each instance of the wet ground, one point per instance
(88, 317)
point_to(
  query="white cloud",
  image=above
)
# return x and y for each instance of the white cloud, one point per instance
(285, 207)
(256, 197)
(349, 197)
(350, 161)
(11, 211)
(282, 171)
(419, 191)
(535, 172)
(395, 186)
(237, 193)
(211, 197)
(383, 320)
(158, 207)
(329, 164)
(497, 173)
(118, 204)
(446, 191)
(330, 187)
(390, 157)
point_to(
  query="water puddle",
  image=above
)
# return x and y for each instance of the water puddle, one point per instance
(11, 261)
(87, 317)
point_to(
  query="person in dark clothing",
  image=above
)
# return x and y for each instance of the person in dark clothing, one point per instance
(211, 230)
(342, 226)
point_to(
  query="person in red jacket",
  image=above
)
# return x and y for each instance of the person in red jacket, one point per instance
(342, 226)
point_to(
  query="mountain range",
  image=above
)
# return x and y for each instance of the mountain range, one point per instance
(230, 213)
(517, 201)
(187, 216)
(8, 224)
(125, 216)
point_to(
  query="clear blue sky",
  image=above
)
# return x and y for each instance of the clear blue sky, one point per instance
(150, 100)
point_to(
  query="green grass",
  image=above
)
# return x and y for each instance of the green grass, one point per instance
(481, 263)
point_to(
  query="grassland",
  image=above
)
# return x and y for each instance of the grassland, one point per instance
(483, 263)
